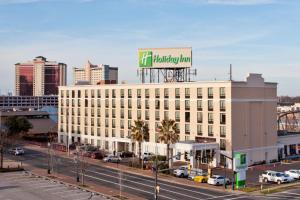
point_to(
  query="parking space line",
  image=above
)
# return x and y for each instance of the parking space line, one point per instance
(228, 195)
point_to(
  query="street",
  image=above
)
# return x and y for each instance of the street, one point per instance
(126, 182)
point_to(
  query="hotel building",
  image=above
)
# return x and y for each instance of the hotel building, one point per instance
(96, 74)
(215, 118)
(39, 77)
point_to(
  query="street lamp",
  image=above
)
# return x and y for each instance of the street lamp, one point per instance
(48, 170)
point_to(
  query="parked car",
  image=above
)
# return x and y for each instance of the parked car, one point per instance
(276, 177)
(218, 180)
(16, 151)
(293, 173)
(288, 177)
(147, 155)
(97, 155)
(195, 172)
(181, 172)
(112, 158)
(201, 178)
(126, 154)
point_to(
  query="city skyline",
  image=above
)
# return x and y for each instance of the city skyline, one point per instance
(259, 36)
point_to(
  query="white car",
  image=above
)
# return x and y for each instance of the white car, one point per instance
(112, 158)
(293, 173)
(181, 172)
(17, 151)
(288, 177)
(218, 180)
(276, 177)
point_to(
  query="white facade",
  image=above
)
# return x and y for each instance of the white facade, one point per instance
(223, 113)
(96, 74)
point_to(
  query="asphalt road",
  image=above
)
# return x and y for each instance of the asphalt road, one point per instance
(133, 184)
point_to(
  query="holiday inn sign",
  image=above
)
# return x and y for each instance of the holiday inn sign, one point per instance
(165, 57)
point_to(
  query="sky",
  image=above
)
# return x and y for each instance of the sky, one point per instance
(255, 36)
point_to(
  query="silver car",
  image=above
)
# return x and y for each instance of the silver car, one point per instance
(17, 151)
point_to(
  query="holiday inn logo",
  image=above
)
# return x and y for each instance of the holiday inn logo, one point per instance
(145, 58)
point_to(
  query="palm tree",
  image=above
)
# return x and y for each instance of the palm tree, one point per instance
(140, 133)
(168, 134)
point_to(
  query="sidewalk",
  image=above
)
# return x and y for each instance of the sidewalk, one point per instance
(140, 172)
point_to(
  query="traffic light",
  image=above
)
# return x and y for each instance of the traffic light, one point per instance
(186, 155)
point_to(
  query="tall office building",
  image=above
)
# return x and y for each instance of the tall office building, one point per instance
(96, 74)
(39, 77)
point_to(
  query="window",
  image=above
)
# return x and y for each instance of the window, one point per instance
(98, 132)
(139, 105)
(98, 112)
(157, 95)
(99, 94)
(210, 93)
(122, 133)
(187, 92)
(99, 103)
(113, 133)
(147, 104)
(187, 105)
(113, 123)
(187, 128)
(79, 94)
(92, 103)
(139, 93)
(222, 105)
(222, 118)
(93, 93)
(147, 114)
(122, 103)
(106, 134)
(177, 116)
(199, 129)
(73, 94)
(122, 93)
(129, 93)
(222, 131)
(106, 93)
(210, 105)
(222, 144)
(166, 93)
(147, 93)
(106, 103)
(129, 124)
(157, 104)
(222, 93)
(187, 117)
(199, 117)
(122, 113)
(129, 114)
(199, 105)
(113, 112)
(106, 113)
(157, 115)
(113, 103)
(210, 118)
(166, 104)
(106, 123)
(113, 93)
(129, 103)
(177, 93)
(139, 114)
(86, 94)
(177, 128)
(199, 93)
(166, 115)
(177, 104)
(210, 130)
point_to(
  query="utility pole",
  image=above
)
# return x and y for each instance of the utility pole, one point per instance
(48, 170)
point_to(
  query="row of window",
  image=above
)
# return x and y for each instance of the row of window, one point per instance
(97, 93)
(139, 116)
(91, 131)
(92, 103)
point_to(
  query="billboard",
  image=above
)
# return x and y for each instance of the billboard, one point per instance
(165, 57)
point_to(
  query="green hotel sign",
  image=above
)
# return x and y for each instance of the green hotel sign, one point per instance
(165, 57)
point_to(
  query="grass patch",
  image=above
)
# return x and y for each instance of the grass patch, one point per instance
(17, 169)
(120, 197)
(85, 186)
(275, 190)
(249, 189)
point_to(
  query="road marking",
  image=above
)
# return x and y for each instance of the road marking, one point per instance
(239, 197)
(152, 181)
(124, 186)
(151, 186)
(228, 195)
(291, 193)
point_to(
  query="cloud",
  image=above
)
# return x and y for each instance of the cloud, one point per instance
(241, 2)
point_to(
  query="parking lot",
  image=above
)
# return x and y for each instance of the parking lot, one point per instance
(20, 186)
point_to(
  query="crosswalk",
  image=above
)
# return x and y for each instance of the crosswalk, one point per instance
(18, 185)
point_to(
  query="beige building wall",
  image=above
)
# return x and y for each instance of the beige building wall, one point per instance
(95, 116)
